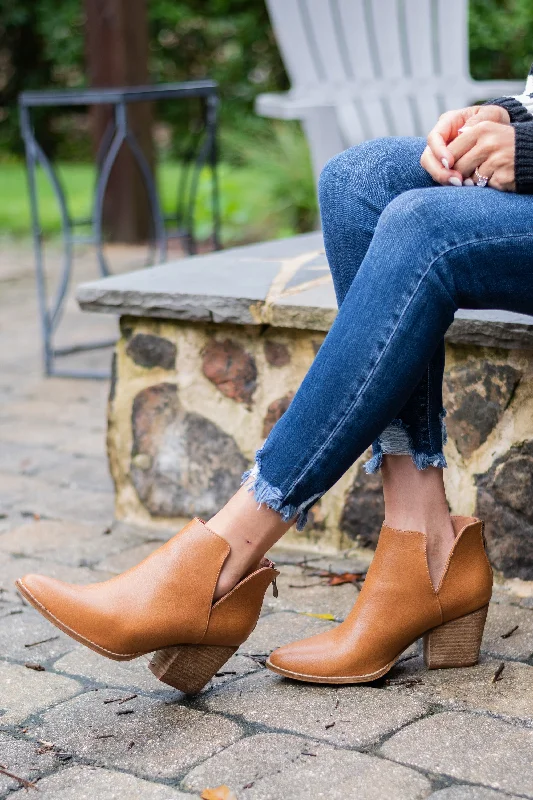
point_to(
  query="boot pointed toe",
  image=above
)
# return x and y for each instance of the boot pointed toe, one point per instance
(397, 605)
(164, 605)
(40, 590)
(304, 660)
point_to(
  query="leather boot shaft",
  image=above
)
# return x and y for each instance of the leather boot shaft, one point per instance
(165, 600)
(397, 605)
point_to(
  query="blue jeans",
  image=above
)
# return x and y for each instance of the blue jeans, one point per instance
(405, 253)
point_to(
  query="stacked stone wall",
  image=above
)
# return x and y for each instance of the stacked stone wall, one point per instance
(192, 402)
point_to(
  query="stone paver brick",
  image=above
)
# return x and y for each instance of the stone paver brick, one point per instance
(93, 783)
(470, 793)
(17, 631)
(133, 675)
(24, 692)
(250, 760)
(59, 469)
(237, 666)
(473, 688)
(155, 738)
(23, 759)
(500, 620)
(468, 747)
(280, 628)
(340, 774)
(276, 766)
(361, 715)
(88, 474)
(25, 493)
(13, 568)
(357, 560)
(318, 598)
(68, 542)
(29, 460)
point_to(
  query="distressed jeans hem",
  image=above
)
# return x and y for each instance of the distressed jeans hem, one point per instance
(397, 440)
(271, 496)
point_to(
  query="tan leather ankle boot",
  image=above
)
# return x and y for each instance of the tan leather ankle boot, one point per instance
(164, 604)
(397, 605)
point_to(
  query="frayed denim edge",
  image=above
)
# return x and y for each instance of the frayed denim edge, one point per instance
(420, 460)
(271, 496)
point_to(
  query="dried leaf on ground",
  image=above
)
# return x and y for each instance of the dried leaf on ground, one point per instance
(334, 578)
(319, 616)
(345, 577)
(219, 793)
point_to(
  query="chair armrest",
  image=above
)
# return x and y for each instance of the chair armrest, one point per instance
(286, 105)
(487, 89)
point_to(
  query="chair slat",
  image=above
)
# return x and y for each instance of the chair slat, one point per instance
(377, 115)
(418, 19)
(382, 16)
(352, 15)
(404, 119)
(430, 107)
(452, 17)
(350, 123)
(373, 67)
(324, 35)
(291, 36)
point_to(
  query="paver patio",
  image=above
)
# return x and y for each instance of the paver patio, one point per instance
(86, 727)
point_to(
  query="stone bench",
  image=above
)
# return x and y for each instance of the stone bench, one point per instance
(212, 349)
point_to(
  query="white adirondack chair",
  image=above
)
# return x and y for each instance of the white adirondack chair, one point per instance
(366, 68)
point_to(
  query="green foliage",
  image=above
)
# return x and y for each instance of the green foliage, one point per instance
(41, 46)
(267, 186)
(228, 40)
(251, 206)
(281, 156)
(501, 36)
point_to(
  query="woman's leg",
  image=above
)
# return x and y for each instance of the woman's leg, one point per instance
(433, 250)
(355, 187)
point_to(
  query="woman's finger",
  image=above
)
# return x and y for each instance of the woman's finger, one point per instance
(465, 142)
(441, 134)
(437, 171)
(467, 164)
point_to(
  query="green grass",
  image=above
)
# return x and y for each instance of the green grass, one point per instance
(251, 209)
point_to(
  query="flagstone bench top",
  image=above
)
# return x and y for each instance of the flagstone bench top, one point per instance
(285, 283)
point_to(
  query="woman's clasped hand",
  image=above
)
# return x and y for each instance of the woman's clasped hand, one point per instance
(471, 144)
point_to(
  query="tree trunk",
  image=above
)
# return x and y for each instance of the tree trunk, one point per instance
(117, 55)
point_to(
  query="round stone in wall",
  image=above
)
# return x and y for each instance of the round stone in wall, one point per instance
(231, 369)
(504, 502)
(364, 510)
(276, 353)
(275, 411)
(182, 464)
(150, 351)
(476, 395)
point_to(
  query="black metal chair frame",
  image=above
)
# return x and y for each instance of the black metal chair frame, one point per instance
(203, 152)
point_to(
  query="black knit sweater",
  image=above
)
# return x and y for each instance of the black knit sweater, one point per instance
(520, 111)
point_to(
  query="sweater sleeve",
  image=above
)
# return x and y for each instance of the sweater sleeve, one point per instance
(519, 107)
(523, 157)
